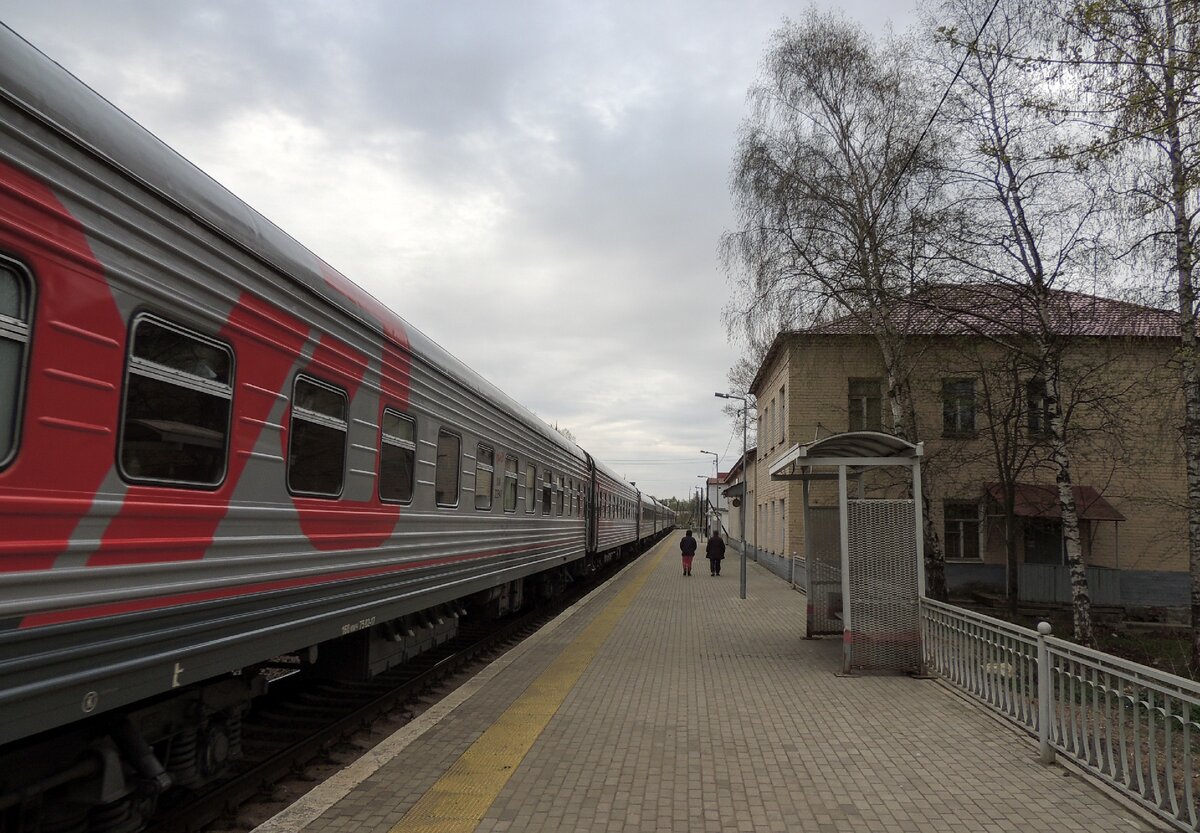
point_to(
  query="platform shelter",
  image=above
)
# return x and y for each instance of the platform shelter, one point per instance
(864, 557)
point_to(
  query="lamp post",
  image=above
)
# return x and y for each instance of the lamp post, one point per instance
(701, 503)
(716, 474)
(745, 480)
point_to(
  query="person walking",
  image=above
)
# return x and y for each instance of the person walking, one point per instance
(715, 551)
(687, 548)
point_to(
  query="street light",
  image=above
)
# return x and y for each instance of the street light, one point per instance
(717, 466)
(745, 479)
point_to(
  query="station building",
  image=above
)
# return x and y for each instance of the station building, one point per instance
(975, 405)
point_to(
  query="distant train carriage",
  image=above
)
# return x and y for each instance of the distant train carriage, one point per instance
(214, 450)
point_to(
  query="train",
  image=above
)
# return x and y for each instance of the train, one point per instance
(216, 451)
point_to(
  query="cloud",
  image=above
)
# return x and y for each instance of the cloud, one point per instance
(538, 186)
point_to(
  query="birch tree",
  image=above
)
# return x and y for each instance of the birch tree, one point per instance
(1035, 213)
(835, 188)
(1141, 62)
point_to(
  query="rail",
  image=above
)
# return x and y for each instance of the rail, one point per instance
(1134, 727)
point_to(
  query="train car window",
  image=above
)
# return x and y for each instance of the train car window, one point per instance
(397, 457)
(317, 438)
(510, 484)
(530, 488)
(558, 488)
(449, 465)
(178, 396)
(15, 288)
(485, 474)
(548, 494)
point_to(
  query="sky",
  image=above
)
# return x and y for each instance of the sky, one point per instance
(540, 187)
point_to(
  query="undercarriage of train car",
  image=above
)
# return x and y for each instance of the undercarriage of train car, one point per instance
(108, 773)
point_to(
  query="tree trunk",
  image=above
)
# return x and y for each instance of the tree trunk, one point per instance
(1081, 602)
(1189, 360)
(1012, 571)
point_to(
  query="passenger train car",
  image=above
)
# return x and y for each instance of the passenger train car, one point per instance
(216, 450)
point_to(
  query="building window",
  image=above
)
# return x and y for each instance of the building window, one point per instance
(782, 414)
(530, 488)
(484, 476)
(961, 521)
(1037, 407)
(958, 406)
(510, 484)
(865, 404)
(1043, 541)
(449, 469)
(783, 526)
(317, 438)
(178, 397)
(15, 310)
(397, 455)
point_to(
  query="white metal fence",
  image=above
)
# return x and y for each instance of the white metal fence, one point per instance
(1134, 727)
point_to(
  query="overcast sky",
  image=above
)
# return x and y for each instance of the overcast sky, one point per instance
(540, 187)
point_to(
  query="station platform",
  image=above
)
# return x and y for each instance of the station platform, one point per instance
(667, 703)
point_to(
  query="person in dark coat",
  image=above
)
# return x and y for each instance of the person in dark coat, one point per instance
(687, 548)
(715, 551)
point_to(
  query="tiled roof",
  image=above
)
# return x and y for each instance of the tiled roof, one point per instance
(997, 310)
(1005, 309)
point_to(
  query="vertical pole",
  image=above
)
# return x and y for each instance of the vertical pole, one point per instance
(1045, 704)
(844, 518)
(808, 560)
(745, 497)
(919, 538)
(919, 526)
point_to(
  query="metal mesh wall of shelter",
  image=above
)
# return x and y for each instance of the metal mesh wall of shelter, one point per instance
(824, 561)
(885, 620)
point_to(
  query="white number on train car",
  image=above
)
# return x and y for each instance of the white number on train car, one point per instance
(361, 624)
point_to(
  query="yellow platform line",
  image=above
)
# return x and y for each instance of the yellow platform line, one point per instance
(461, 798)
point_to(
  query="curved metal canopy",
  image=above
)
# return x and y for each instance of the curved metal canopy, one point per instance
(860, 444)
(854, 448)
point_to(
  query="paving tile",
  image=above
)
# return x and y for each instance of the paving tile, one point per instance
(703, 711)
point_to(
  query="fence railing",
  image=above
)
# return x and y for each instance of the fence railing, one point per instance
(1133, 726)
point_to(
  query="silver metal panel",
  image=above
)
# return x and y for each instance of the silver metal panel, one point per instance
(884, 631)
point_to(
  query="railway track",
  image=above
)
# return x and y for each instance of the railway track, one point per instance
(299, 721)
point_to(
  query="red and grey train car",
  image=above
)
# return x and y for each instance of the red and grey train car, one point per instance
(215, 450)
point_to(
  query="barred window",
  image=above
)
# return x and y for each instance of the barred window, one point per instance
(317, 438)
(484, 476)
(449, 468)
(397, 456)
(178, 399)
(15, 314)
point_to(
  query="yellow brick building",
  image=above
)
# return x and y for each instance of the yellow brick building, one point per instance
(972, 401)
